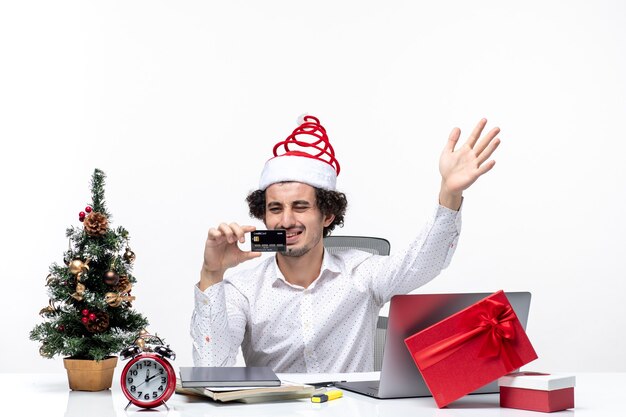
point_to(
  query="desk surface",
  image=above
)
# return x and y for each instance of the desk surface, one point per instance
(597, 395)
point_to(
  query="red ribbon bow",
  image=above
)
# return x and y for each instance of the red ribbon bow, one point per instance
(490, 320)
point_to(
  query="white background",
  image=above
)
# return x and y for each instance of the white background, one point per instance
(181, 102)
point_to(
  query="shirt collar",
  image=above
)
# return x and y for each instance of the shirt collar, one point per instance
(329, 263)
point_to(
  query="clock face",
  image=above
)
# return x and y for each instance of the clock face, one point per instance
(148, 380)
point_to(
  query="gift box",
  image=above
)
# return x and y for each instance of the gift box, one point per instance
(537, 391)
(470, 349)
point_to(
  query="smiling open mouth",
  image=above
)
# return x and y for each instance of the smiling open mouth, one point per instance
(292, 237)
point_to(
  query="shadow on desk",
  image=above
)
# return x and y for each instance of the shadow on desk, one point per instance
(476, 402)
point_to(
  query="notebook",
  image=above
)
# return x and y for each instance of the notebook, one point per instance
(286, 391)
(408, 314)
(228, 376)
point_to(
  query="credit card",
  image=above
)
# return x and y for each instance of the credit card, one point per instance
(268, 241)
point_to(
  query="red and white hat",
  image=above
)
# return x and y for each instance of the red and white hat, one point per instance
(305, 156)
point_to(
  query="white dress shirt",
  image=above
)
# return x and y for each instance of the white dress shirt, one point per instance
(329, 326)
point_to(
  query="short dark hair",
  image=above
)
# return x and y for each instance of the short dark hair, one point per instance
(329, 202)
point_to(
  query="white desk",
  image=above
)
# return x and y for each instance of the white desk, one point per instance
(48, 395)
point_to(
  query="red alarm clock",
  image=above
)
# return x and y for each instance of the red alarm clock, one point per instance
(148, 379)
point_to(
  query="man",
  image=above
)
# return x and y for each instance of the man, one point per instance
(306, 310)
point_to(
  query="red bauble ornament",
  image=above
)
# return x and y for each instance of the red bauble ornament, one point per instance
(92, 316)
(61, 328)
(85, 320)
(85, 312)
(81, 216)
(88, 209)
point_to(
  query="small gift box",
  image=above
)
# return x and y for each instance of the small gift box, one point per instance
(470, 349)
(537, 392)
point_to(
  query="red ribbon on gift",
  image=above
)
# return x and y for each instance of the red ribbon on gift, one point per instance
(490, 320)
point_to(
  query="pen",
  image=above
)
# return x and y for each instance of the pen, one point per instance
(324, 384)
(327, 396)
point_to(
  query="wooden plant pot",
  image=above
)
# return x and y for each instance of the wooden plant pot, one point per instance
(90, 375)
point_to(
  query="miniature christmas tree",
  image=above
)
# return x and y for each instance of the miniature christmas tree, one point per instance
(90, 315)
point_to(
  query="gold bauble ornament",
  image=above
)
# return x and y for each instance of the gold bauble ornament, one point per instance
(141, 339)
(129, 255)
(43, 351)
(77, 266)
(141, 343)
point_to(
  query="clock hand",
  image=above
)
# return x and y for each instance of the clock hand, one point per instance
(151, 378)
(148, 378)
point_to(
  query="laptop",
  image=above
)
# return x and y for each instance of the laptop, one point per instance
(408, 314)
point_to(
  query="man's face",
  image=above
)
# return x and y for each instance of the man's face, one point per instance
(292, 206)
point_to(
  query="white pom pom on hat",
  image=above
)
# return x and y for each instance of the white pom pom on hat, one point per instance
(304, 156)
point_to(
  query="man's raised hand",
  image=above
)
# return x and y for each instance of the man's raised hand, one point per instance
(460, 168)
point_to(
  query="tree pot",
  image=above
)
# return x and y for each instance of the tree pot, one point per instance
(90, 375)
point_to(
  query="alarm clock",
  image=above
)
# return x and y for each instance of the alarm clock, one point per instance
(148, 380)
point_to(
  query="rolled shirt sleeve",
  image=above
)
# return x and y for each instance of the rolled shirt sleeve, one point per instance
(217, 327)
(420, 262)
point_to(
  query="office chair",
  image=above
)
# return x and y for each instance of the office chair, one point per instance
(377, 246)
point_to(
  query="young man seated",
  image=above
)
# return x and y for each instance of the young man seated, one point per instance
(306, 310)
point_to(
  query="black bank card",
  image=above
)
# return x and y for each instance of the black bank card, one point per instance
(268, 241)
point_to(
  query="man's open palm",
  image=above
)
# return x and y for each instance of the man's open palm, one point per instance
(460, 168)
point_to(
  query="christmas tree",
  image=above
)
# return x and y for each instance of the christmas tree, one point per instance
(90, 315)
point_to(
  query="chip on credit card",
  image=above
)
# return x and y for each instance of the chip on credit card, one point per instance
(268, 241)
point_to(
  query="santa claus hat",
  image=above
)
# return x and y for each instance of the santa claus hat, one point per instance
(305, 156)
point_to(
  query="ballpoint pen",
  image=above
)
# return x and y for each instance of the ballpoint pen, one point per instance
(327, 396)
(324, 384)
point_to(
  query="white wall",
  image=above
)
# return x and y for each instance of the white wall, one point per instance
(180, 103)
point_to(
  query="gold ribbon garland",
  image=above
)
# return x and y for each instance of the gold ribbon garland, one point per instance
(115, 299)
(80, 290)
(78, 267)
(51, 279)
(49, 309)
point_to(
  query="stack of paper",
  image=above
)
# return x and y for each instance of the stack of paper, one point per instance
(286, 391)
(244, 384)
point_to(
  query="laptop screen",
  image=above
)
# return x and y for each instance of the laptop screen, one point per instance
(410, 313)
